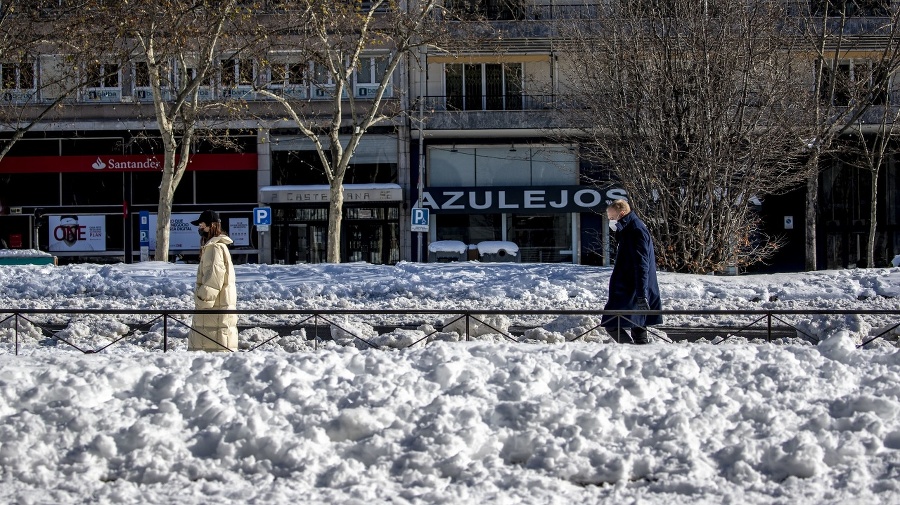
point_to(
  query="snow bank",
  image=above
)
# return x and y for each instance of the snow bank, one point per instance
(455, 422)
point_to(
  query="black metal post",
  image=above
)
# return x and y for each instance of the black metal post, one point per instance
(165, 332)
(467, 326)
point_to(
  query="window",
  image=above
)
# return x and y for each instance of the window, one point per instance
(17, 81)
(17, 76)
(288, 74)
(322, 81)
(241, 186)
(103, 75)
(290, 79)
(483, 86)
(541, 238)
(103, 82)
(145, 188)
(92, 189)
(858, 80)
(237, 73)
(369, 74)
(499, 166)
(186, 74)
(491, 9)
(469, 228)
(141, 75)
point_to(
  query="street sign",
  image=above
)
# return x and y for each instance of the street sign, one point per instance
(788, 222)
(144, 227)
(262, 216)
(420, 219)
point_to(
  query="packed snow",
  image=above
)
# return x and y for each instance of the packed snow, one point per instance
(436, 416)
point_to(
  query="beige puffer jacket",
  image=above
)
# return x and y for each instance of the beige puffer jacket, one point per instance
(215, 289)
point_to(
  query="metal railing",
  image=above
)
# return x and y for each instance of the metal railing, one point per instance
(768, 323)
(488, 103)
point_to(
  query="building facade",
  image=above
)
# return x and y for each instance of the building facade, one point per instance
(480, 146)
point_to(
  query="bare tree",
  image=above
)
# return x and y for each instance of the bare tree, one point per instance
(43, 49)
(840, 98)
(691, 106)
(342, 41)
(180, 46)
(874, 135)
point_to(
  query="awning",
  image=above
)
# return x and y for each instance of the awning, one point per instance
(320, 193)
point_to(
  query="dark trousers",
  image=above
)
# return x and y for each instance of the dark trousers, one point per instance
(638, 335)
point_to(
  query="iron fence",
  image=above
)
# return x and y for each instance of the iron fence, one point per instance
(760, 323)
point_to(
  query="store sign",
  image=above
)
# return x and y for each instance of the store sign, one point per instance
(183, 236)
(77, 233)
(519, 200)
(121, 163)
(239, 230)
(353, 193)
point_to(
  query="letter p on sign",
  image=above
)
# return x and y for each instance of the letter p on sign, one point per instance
(419, 220)
(262, 216)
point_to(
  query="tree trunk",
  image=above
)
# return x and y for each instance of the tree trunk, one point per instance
(870, 246)
(164, 209)
(812, 203)
(335, 215)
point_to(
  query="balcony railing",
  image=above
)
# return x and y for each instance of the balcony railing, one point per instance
(489, 103)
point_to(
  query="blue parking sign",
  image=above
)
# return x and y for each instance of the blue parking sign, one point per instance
(262, 216)
(420, 218)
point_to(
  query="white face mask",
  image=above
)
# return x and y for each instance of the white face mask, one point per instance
(612, 224)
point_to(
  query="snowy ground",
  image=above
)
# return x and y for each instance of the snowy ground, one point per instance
(449, 422)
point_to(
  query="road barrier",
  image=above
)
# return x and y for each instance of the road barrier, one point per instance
(760, 323)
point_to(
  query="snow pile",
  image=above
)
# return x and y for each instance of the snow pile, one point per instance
(23, 253)
(452, 422)
(563, 415)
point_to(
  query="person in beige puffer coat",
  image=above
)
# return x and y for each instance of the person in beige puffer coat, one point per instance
(215, 289)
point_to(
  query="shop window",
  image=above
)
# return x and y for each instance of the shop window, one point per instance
(19, 190)
(92, 189)
(305, 168)
(469, 228)
(541, 238)
(145, 188)
(232, 186)
(509, 165)
(83, 146)
(503, 166)
(451, 167)
(35, 147)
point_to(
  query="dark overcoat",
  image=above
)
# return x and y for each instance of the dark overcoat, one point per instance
(634, 274)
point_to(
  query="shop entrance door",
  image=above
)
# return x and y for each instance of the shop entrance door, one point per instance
(303, 243)
(374, 243)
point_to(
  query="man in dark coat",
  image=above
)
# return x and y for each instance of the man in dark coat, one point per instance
(632, 285)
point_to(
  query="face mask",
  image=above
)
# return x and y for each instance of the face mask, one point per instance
(202, 233)
(612, 224)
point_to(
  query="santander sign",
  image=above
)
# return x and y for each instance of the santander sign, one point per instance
(127, 164)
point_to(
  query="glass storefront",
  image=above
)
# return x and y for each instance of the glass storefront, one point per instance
(369, 234)
(514, 193)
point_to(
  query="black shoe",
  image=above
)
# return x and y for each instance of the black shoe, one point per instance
(639, 336)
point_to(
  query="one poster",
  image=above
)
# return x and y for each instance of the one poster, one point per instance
(77, 233)
(183, 236)
(239, 230)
